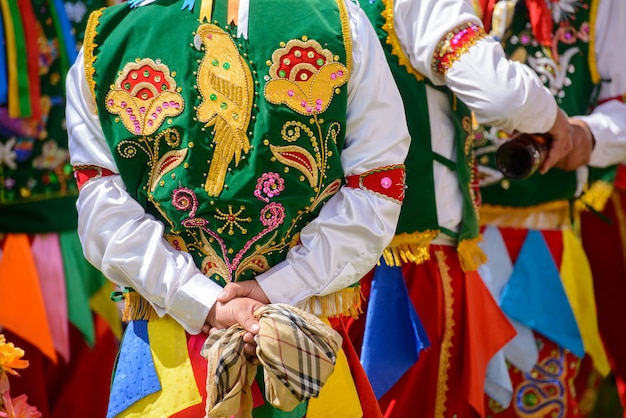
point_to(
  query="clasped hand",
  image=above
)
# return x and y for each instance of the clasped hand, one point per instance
(236, 304)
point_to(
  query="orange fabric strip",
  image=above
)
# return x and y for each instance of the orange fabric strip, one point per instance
(22, 310)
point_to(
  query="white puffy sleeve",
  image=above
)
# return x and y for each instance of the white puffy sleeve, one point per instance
(118, 237)
(500, 92)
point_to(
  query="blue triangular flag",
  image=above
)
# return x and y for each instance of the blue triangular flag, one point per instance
(394, 335)
(135, 374)
(535, 296)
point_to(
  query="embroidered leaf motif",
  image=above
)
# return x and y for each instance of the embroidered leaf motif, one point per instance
(168, 162)
(227, 89)
(298, 158)
(213, 263)
(328, 191)
(257, 263)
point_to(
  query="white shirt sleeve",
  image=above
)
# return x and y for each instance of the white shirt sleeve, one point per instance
(608, 121)
(337, 248)
(500, 92)
(118, 237)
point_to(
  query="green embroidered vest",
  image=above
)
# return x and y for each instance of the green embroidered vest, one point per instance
(418, 223)
(566, 72)
(233, 144)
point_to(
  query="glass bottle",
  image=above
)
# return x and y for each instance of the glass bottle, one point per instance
(522, 155)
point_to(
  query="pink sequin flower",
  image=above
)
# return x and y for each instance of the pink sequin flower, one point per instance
(268, 186)
(272, 215)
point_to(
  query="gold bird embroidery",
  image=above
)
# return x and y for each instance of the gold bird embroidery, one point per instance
(227, 90)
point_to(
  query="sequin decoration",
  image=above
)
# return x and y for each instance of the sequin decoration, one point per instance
(304, 76)
(454, 44)
(225, 83)
(144, 96)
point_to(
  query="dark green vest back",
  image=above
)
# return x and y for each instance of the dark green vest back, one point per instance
(418, 222)
(233, 143)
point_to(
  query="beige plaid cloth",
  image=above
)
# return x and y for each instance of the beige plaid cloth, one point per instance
(296, 350)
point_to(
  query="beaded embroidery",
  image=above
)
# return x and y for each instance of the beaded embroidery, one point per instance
(144, 95)
(227, 89)
(454, 44)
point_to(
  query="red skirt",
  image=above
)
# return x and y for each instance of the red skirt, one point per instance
(465, 327)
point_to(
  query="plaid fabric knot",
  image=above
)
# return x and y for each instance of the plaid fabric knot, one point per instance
(296, 350)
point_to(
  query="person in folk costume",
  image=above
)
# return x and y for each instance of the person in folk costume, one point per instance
(537, 266)
(238, 161)
(55, 305)
(445, 65)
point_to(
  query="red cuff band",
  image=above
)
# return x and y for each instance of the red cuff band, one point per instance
(84, 173)
(388, 182)
(621, 98)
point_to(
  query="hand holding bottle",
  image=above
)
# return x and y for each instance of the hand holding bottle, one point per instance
(583, 145)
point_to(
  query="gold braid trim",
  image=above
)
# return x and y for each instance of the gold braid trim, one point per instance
(136, 308)
(392, 39)
(596, 196)
(448, 333)
(409, 248)
(593, 68)
(345, 302)
(89, 46)
(551, 215)
(470, 254)
(347, 37)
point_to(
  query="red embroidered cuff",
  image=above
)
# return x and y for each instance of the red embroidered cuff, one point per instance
(621, 98)
(388, 182)
(82, 173)
(454, 44)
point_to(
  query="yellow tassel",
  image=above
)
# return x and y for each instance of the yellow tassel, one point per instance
(136, 308)
(471, 255)
(344, 302)
(596, 195)
(409, 248)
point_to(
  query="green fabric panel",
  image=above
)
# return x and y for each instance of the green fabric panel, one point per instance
(82, 281)
(50, 215)
(575, 98)
(128, 35)
(465, 162)
(267, 411)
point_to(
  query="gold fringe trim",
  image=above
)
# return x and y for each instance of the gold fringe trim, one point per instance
(410, 248)
(471, 255)
(448, 333)
(89, 46)
(136, 308)
(345, 302)
(392, 39)
(551, 215)
(596, 196)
